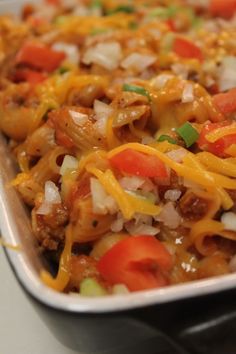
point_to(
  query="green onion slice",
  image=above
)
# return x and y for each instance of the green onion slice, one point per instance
(96, 4)
(91, 287)
(96, 31)
(136, 89)
(164, 13)
(167, 138)
(129, 9)
(188, 134)
(62, 70)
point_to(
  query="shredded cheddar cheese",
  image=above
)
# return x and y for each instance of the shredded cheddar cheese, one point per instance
(221, 132)
(207, 179)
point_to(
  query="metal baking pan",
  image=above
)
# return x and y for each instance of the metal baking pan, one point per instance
(169, 320)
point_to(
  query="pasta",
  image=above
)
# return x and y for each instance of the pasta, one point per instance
(121, 117)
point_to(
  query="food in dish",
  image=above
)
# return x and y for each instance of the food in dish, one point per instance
(121, 118)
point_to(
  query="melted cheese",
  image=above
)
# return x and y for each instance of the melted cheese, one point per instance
(221, 132)
(203, 177)
(191, 161)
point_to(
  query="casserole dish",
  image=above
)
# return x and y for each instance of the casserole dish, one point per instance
(112, 323)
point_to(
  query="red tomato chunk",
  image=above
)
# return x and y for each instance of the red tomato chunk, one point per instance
(136, 163)
(139, 262)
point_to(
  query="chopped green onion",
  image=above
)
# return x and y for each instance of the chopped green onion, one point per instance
(98, 31)
(96, 4)
(188, 134)
(60, 20)
(163, 12)
(197, 22)
(159, 12)
(129, 9)
(133, 25)
(136, 89)
(90, 287)
(62, 70)
(167, 138)
(167, 42)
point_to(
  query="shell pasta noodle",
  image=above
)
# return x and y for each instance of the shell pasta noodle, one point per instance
(121, 117)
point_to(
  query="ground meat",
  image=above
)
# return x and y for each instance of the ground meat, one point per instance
(50, 229)
(173, 184)
(192, 207)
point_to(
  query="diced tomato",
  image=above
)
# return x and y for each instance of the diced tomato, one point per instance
(139, 262)
(36, 21)
(222, 8)
(186, 49)
(136, 163)
(39, 56)
(31, 76)
(226, 102)
(171, 24)
(218, 147)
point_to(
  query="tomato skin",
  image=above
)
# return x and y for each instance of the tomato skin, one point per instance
(186, 49)
(218, 147)
(171, 24)
(226, 102)
(139, 262)
(31, 76)
(136, 163)
(222, 8)
(39, 56)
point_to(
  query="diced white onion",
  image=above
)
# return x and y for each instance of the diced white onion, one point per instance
(71, 51)
(229, 221)
(177, 155)
(44, 209)
(172, 195)
(181, 70)
(102, 110)
(102, 202)
(141, 229)
(169, 216)
(120, 289)
(79, 118)
(131, 183)
(160, 81)
(101, 126)
(107, 55)
(156, 33)
(52, 194)
(117, 225)
(70, 3)
(227, 73)
(138, 61)
(187, 94)
(146, 140)
(81, 10)
(69, 163)
(142, 219)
